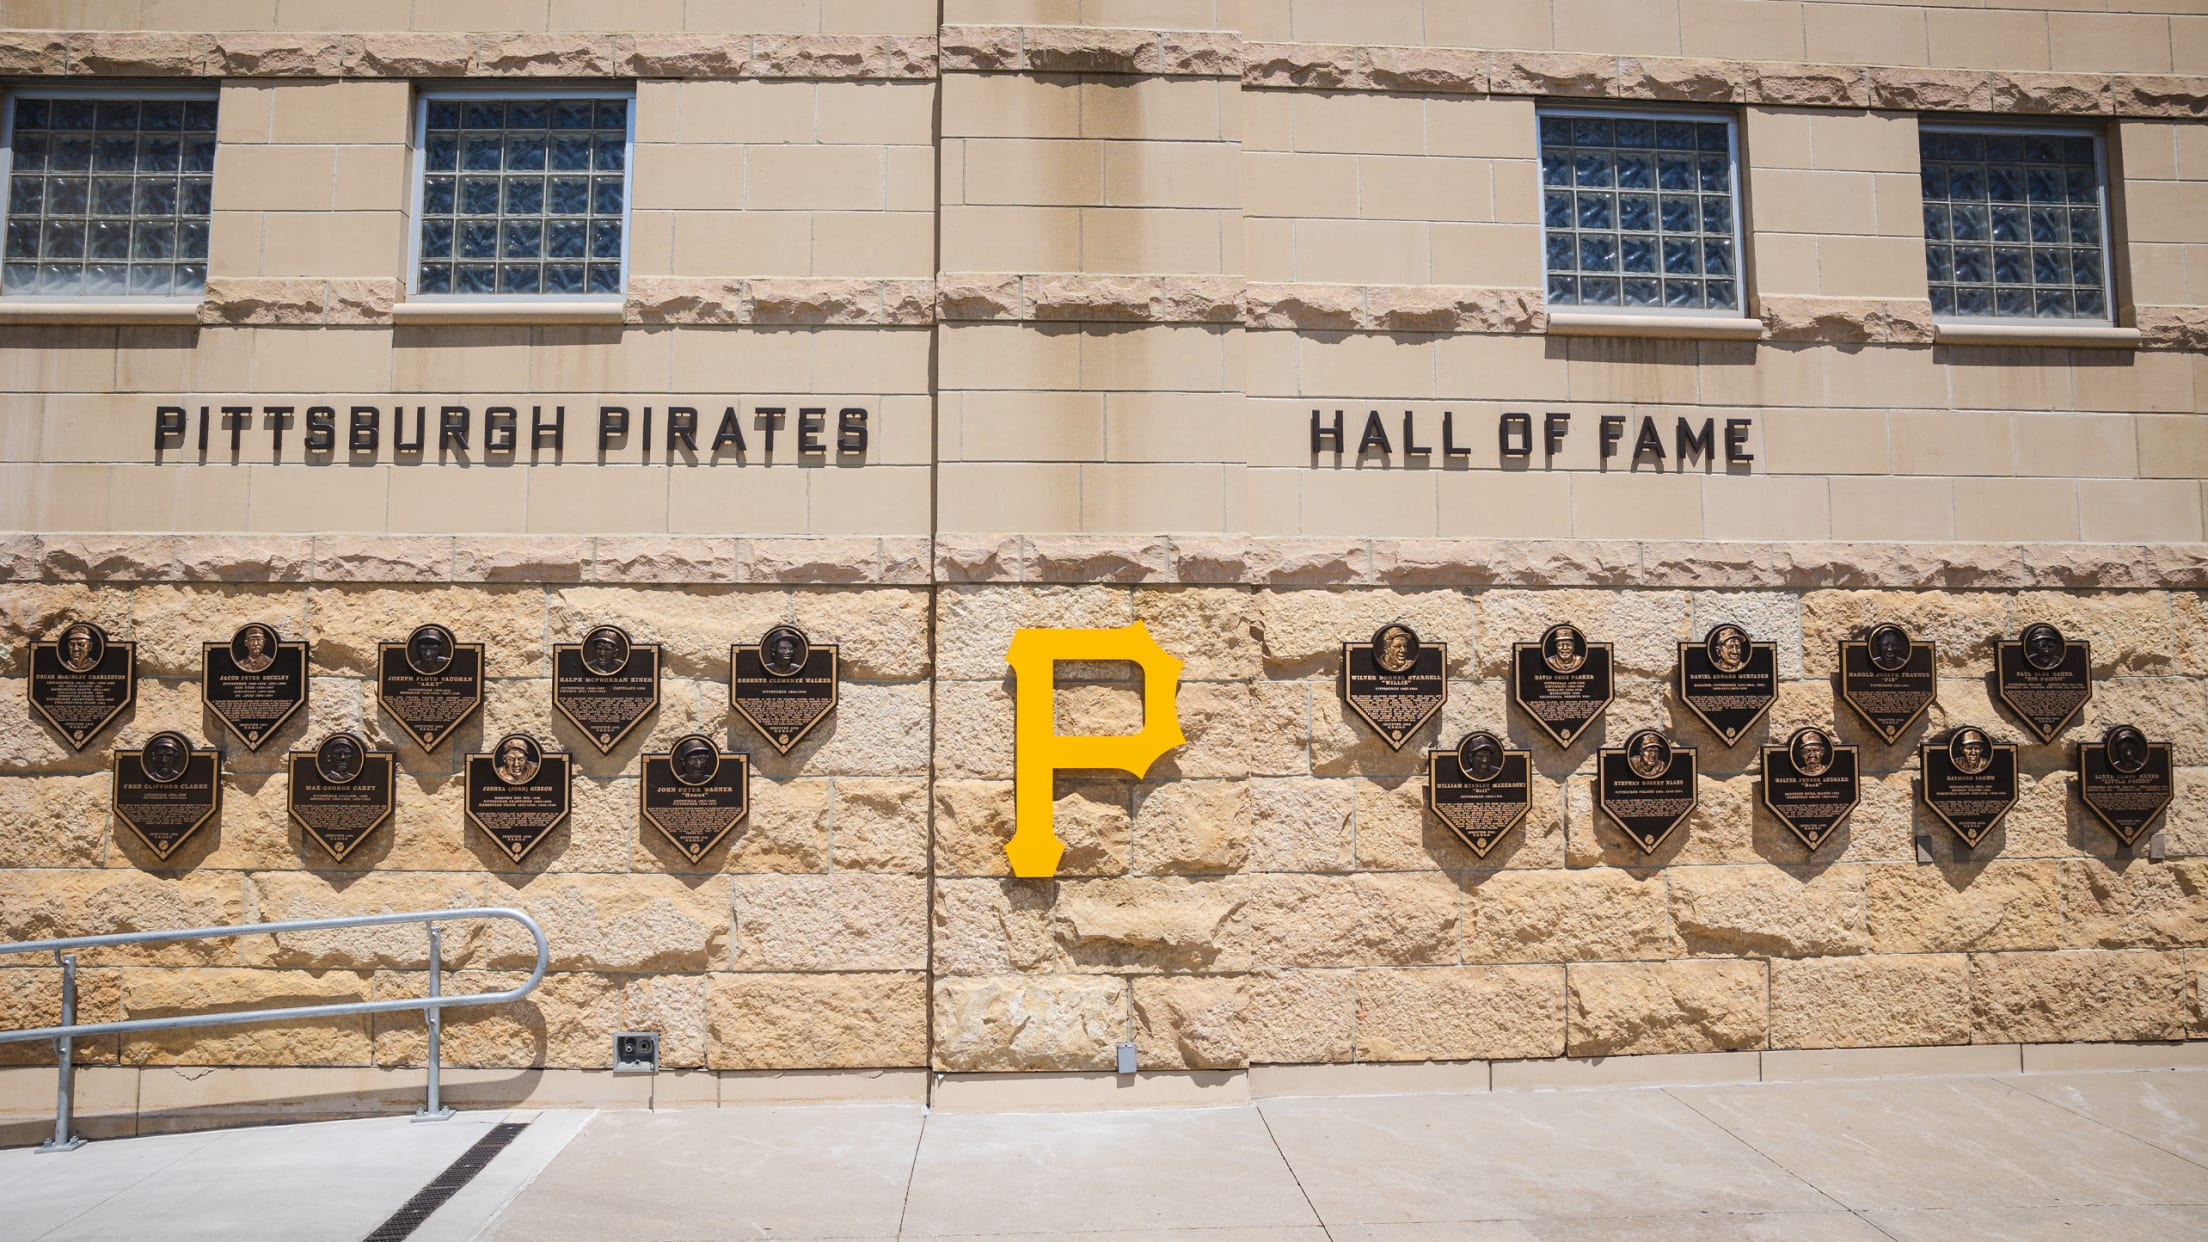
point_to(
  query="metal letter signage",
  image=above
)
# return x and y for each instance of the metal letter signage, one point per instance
(1811, 784)
(429, 683)
(82, 681)
(341, 791)
(2125, 780)
(1395, 683)
(1563, 681)
(695, 793)
(1480, 789)
(784, 686)
(605, 684)
(518, 793)
(1888, 679)
(254, 682)
(1040, 751)
(166, 790)
(1728, 681)
(2043, 677)
(1648, 787)
(1968, 781)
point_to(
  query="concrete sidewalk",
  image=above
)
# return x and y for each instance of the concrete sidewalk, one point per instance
(2036, 1156)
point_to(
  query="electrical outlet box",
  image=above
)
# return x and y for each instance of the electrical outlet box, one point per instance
(636, 1052)
(1126, 1058)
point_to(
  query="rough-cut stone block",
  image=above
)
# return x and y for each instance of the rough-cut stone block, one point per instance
(253, 54)
(974, 821)
(287, 896)
(1029, 1022)
(34, 53)
(811, 560)
(1702, 81)
(1300, 825)
(1931, 90)
(1870, 1002)
(2140, 906)
(1965, 625)
(58, 819)
(1455, 1013)
(684, 300)
(1309, 306)
(407, 54)
(1644, 628)
(567, 1022)
(1094, 558)
(383, 558)
(814, 301)
(674, 1006)
(1705, 1006)
(1301, 1016)
(1304, 630)
(838, 1021)
(1193, 53)
(1087, 49)
(542, 55)
(1298, 64)
(830, 922)
(650, 923)
(879, 633)
(969, 295)
(1552, 73)
(1348, 920)
(520, 558)
(1765, 911)
(1807, 86)
(977, 49)
(2156, 95)
(648, 55)
(1150, 924)
(1191, 1021)
(160, 993)
(152, 53)
(1437, 69)
(2058, 94)
(1599, 913)
(1945, 908)
(1197, 827)
(2077, 995)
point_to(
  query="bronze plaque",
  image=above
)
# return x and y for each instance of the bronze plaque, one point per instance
(695, 793)
(82, 681)
(1647, 787)
(1811, 784)
(1888, 678)
(2126, 780)
(1968, 781)
(2043, 677)
(254, 682)
(429, 683)
(1395, 683)
(166, 789)
(1563, 681)
(1728, 681)
(518, 793)
(341, 791)
(785, 685)
(1480, 790)
(605, 684)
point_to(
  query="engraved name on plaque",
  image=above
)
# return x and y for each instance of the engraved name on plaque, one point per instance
(518, 793)
(1969, 781)
(2126, 780)
(254, 682)
(341, 791)
(429, 683)
(1647, 787)
(83, 680)
(166, 790)
(1395, 683)
(1888, 678)
(2043, 677)
(1810, 784)
(695, 794)
(784, 685)
(1728, 681)
(1563, 681)
(1480, 789)
(605, 684)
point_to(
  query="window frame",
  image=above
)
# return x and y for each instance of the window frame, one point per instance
(417, 158)
(211, 93)
(1993, 125)
(1731, 118)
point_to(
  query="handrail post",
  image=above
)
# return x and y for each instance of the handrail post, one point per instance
(435, 1016)
(65, 1064)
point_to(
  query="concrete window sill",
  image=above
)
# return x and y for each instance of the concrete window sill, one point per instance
(595, 311)
(100, 311)
(2048, 335)
(1672, 327)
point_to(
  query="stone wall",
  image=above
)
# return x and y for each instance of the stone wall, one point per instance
(1273, 892)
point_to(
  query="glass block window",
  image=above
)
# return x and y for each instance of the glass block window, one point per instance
(2014, 224)
(1638, 211)
(523, 196)
(108, 196)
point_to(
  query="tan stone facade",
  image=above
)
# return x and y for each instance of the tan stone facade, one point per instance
(1094, 270)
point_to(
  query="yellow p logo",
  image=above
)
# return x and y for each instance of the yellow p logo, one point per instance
(1038, 750)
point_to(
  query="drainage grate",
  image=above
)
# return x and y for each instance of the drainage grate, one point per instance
(446, 1184)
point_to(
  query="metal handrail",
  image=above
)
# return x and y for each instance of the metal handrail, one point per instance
(432, 1005)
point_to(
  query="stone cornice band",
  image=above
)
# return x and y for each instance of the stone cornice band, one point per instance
(1187, 560)
(1099, 50)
